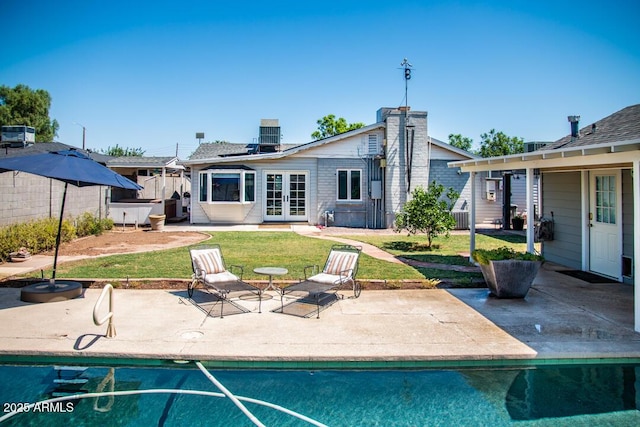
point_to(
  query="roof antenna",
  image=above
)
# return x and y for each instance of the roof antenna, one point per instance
(409, 127)
(407, 76)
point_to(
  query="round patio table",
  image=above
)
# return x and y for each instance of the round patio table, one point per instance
(271, 271)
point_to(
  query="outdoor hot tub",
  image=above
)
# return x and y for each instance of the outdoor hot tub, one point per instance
(137, 211)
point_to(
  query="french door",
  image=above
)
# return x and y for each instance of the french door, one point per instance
(605, 223)
(285, 197)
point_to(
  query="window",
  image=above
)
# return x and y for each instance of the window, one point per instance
(250, 187)
(227, 186)
(203, 187)
(349, 184)
(606, 199)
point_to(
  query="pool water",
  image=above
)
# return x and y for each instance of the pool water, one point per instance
(572, 395)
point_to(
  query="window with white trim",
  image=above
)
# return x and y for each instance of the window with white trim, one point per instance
(349, 184)
(204, 179)
(225, 185)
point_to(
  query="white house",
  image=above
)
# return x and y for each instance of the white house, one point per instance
(360, 178)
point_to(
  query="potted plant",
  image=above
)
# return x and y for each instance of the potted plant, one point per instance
(157, 222)
(20, 255)
(517, 222)
(508, 274)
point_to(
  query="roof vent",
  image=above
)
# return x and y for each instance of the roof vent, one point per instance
(575, 123)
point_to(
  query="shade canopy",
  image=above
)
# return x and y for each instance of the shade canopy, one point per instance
(69, 166)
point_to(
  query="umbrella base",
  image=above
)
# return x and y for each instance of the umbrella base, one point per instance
(61, 290)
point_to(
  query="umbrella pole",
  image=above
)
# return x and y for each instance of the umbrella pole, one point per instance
(55, 256)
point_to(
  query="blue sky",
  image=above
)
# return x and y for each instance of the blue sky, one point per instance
(151, 74)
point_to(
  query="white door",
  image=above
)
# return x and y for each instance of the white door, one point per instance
(286, 196)
(605, 223)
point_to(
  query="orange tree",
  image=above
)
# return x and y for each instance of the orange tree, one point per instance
(428, 212)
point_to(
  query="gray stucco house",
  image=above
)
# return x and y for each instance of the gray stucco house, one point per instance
(360, 178)
(590, 186)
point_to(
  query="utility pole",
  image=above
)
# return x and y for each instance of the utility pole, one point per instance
(84, 135)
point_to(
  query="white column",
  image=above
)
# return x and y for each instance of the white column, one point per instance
(472, 214)
(530, 218)
(164, 186)
(636, 244)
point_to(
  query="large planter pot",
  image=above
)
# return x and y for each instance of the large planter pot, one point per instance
(157, 222)
(510, 278)
(518, 224)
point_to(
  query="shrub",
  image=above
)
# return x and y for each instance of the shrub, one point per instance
(428, 212)
(429, 284)
(88, 224)
(40, 235)
(37, 236)
(483, 256)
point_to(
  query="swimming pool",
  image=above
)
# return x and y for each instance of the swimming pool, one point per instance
(547, 395)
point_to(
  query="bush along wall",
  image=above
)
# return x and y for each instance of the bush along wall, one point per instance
(40, 236)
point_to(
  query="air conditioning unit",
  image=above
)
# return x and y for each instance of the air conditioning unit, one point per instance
(533, 146)
(269, 139)
(462, 219)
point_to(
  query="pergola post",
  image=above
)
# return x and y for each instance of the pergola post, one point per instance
(636, 244)
(530, 211)
(472, 223)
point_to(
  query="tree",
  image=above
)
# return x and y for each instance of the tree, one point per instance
(498, 144)
(24, 106)
(118, 151)
(428, 212)
(461, 142)
(329, 126)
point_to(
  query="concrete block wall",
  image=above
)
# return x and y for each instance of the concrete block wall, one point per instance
(25, 197)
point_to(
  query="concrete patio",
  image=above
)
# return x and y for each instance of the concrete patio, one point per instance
(561, 317)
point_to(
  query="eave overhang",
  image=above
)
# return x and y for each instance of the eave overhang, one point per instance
(618, 154)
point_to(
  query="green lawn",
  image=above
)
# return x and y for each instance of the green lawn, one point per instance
(249, 249)
(444, 250)
(290, 250)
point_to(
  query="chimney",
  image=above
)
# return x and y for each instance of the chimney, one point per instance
(575, 123)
